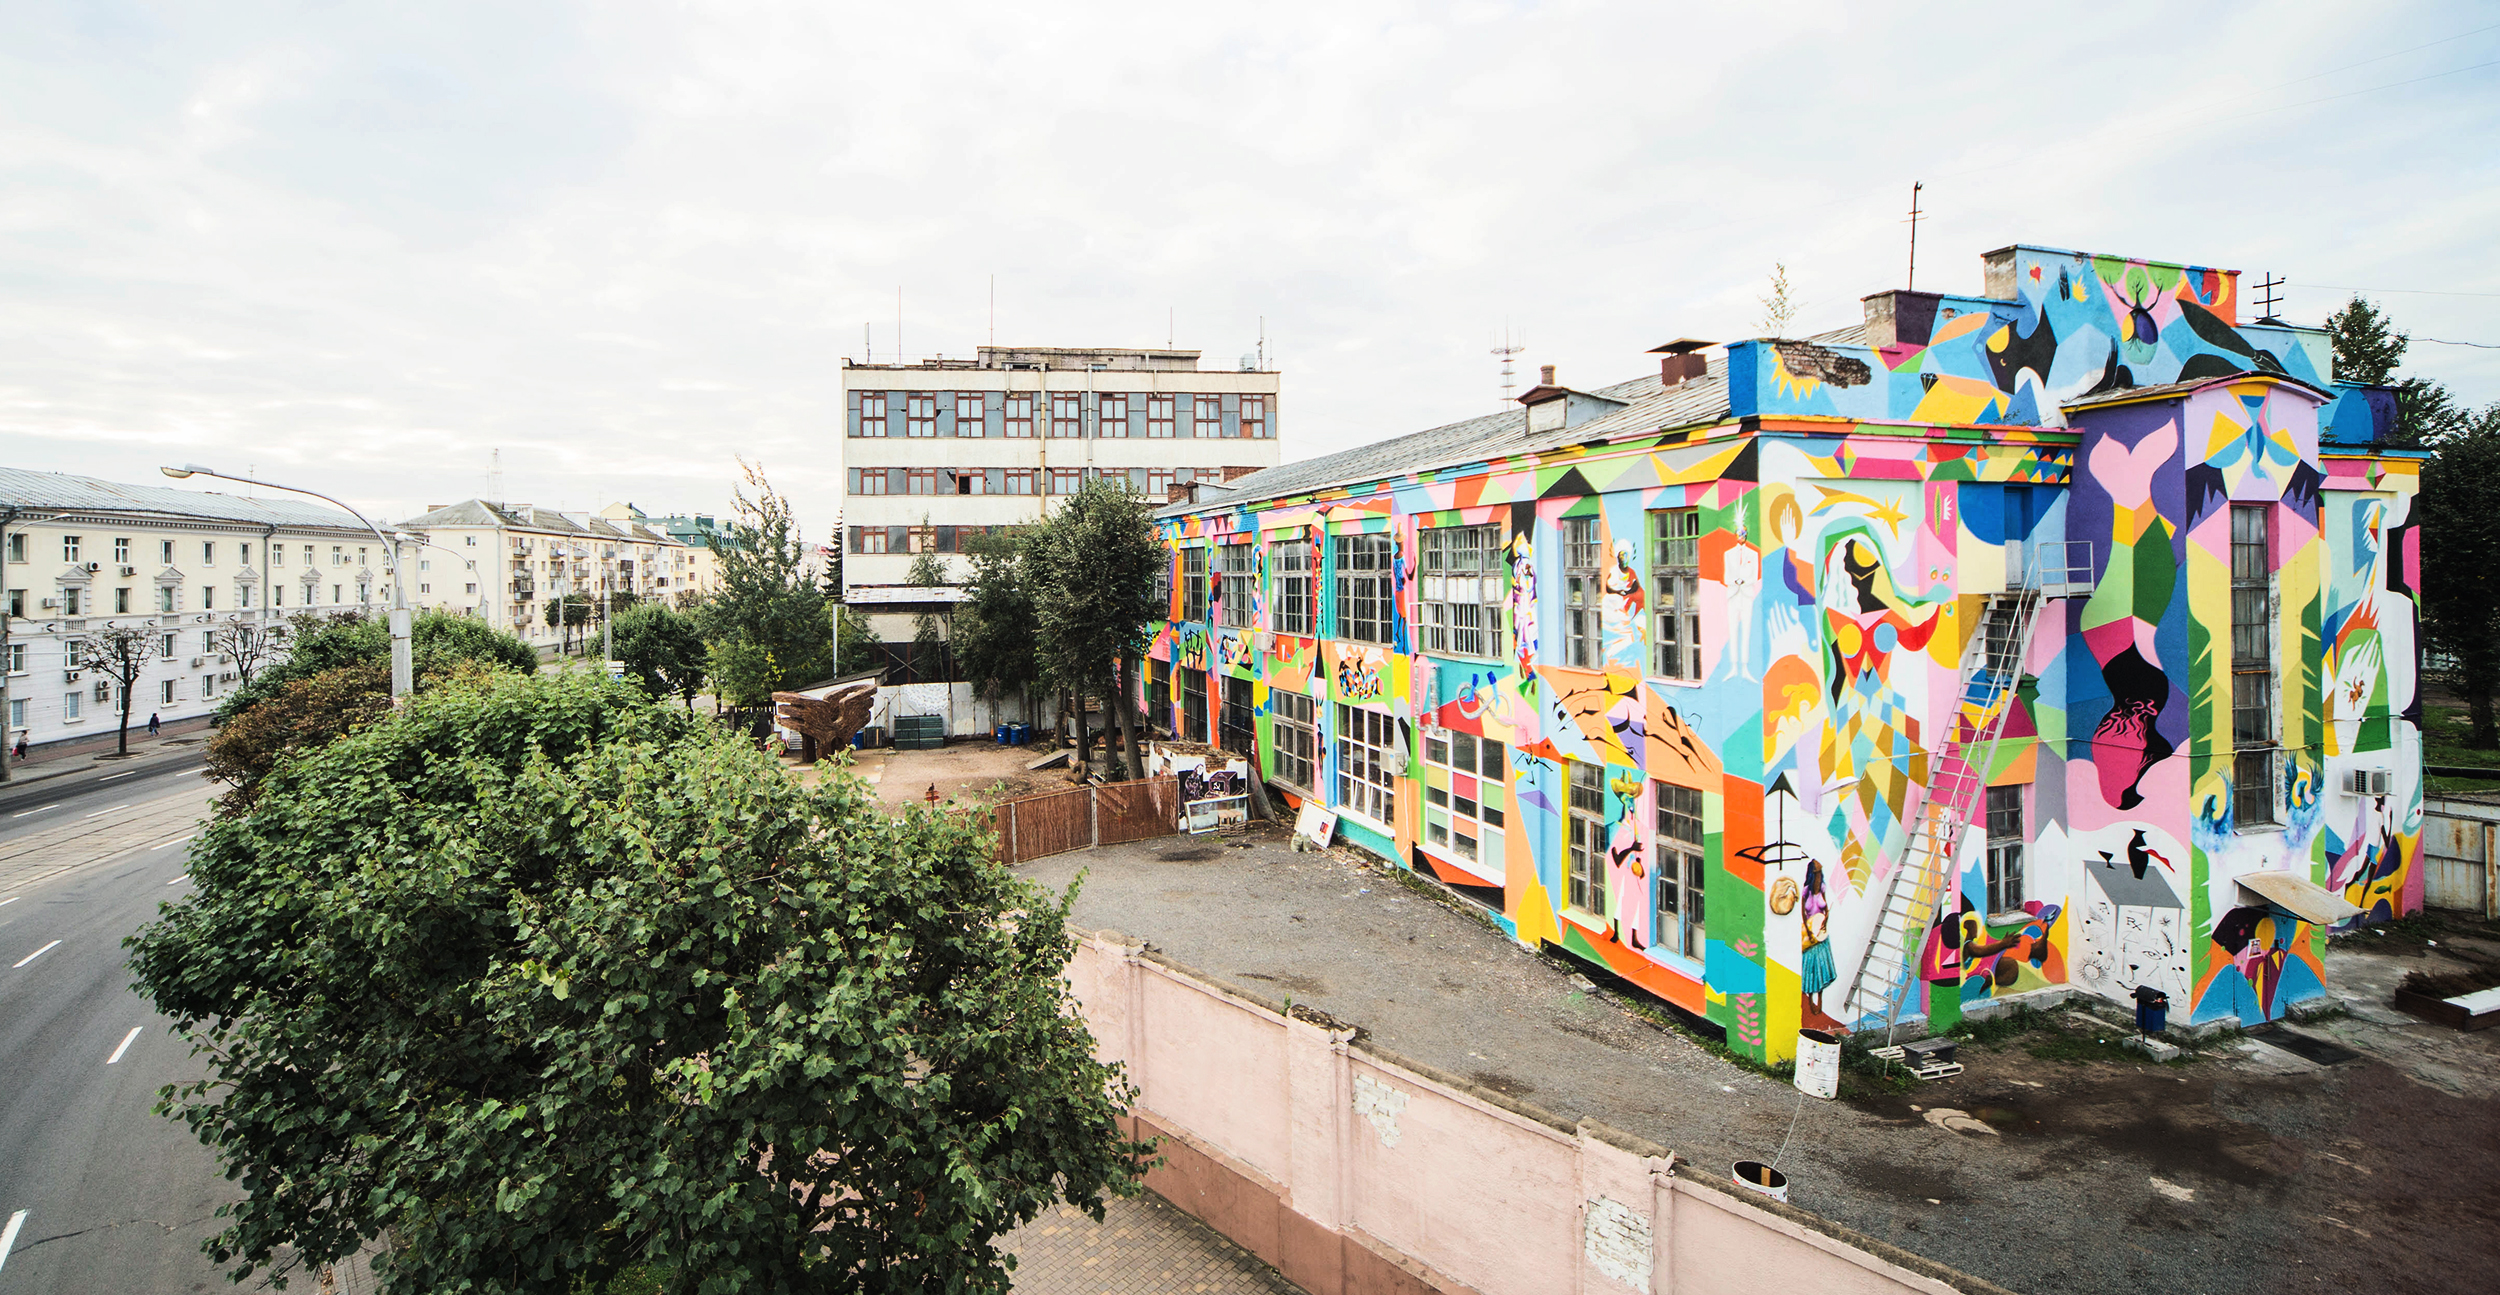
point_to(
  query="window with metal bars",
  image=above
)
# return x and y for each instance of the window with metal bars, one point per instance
(1193, 706)
(1237, 567)
(1365, 787)
(1583, 615)
(1234, 730)
(2252, 666)
(1194, 584)
(2005, 849)
(1675, 590)
(1675, 853)
(1460, 604)
(1293, 604)
(1363, 588)
(1587, 881)
(1159, 695)
(1293, 730)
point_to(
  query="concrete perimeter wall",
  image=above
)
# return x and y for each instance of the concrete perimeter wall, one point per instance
(1355, 1172)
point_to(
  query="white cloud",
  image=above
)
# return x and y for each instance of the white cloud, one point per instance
(623, 242)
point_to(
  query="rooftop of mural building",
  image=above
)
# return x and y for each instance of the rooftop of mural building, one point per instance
(2053, 332)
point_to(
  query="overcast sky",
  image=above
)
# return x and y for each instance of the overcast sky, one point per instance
(358, 247)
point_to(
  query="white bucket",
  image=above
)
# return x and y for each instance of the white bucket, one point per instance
(1818, 1064)
(1753, 1175)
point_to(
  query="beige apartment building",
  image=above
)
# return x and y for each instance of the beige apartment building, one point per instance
(513, 564)
(205, 571)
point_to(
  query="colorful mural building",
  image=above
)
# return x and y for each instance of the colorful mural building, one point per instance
(2059, 637)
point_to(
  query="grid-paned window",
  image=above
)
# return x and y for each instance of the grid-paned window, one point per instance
(923, 481)
(868, 481)
(920, 414)
(971, 409)
(1234, 730)
(1237, 566)
(69, 548)
(1111, 414)
(1067, 415)
(1363, 588)
(872, 413)
(1020, 481)
(1194, 584)
(1159, 695)
(1364, 784)
(1583, 614)
(1066, 481)
(2252, 666)
(1158, 483)
(2005, 849)
(1676, 864)
(1254, 418)
(973, 481)
(1588, 838)
(1210, 411)
(1293, 722)
(1193, 706)
(1463, 807)
(864, 539)
(1460, 611)
(1675, 588)
(1020, 415)
(1159, 417)
(1293, 605)
(121, 550)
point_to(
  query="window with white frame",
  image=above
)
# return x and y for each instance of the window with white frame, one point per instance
(1675, 593)
(1365, 787)
(17, 658)
(1364, 590)
(1067, 415)
(1294, 726)
(1587, 844)
(166, 644)
(17, 712)
(71, 703)
(165, 692)
(2005, 849)
(1293, 603)
(872, 413)
(1236, 566)
(1210, 412)
(1111, 414)
(920, 415)
(971, 413)
(1583, 573)
(1194, 583)
(1463, 807)
(2252, 667)
(1160, 420)
(208, 553)
(17, 547)
(1020, 415)
(1675, 858)
(167, 599)
(69, 548)
(1459, 612)
(121, 550)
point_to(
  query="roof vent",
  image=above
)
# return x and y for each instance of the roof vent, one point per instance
(1545, 375)
(1681, 359)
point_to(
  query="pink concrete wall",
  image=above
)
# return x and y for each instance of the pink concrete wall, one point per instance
(1359, 1173)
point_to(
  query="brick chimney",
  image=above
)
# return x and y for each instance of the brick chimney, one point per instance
(1237, 472)
(1545, 375)
(1681, 360)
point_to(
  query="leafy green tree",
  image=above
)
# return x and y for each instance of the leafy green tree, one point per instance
(1093, 566)
(663, 650)
(587, 984)
(860, 644)
(299, 716)
(2461, 564)
(437, 640)
(2367, 345)
(769, 617)
(994, 628)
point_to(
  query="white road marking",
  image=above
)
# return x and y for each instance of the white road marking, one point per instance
(176, 841)
(36, 954)
(127, 1040)
(8, 1237)
(10, 900)
(111, 776)
(102, 812)
(179, 880)
(36, 810)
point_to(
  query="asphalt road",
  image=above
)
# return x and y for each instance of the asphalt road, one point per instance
(96, 1192)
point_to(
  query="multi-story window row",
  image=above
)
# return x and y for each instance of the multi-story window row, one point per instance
(1066, 415)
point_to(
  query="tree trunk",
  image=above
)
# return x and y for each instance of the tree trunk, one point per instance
(2486, 735)
(1128, 720)
(1076, 711)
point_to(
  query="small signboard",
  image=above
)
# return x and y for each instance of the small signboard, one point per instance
(1316, 823)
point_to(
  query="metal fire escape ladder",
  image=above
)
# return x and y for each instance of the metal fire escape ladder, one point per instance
(1958, 765)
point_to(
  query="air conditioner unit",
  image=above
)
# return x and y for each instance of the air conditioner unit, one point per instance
(69, 676)
(50, 603)
(103, 691)
(227, 677)
(2370, 782)
(198, 661)
(224, 659)
(94, 567)
(130, 571)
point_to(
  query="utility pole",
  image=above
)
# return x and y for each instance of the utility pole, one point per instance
(5, 618)
(1915, 186)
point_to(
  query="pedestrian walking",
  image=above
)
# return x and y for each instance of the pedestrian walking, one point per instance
(20, 750)
(151, 723)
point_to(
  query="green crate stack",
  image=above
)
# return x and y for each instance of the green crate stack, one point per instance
(919, 732)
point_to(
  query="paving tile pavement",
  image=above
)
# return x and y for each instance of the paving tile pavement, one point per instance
(1146, 1246)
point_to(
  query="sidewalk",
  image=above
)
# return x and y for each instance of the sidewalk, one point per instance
(64, 758)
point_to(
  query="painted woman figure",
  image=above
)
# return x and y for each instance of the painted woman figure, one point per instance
(1816, 934)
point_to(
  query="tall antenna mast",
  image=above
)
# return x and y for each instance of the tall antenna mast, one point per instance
(2268, 300)
(868, 342)
(1915, 186)
(494, 476)
(1262, 343)
(1506, 350)
(993, 310)
(1171, 327)
(898, 323)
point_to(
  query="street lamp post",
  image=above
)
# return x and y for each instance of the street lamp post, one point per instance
(401, 654)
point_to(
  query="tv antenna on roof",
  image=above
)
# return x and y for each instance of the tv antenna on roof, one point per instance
(1915, 186)
(1506, 350)
(2270, 299)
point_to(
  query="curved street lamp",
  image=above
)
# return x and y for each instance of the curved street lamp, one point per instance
(401, 653)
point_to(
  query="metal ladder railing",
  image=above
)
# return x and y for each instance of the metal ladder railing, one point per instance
(1957, 779)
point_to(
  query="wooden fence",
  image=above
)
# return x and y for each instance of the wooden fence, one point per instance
(1096, 814)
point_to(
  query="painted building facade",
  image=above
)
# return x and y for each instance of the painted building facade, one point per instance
(1665, 673)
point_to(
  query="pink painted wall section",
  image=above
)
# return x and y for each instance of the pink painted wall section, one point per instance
(1355, 1172)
